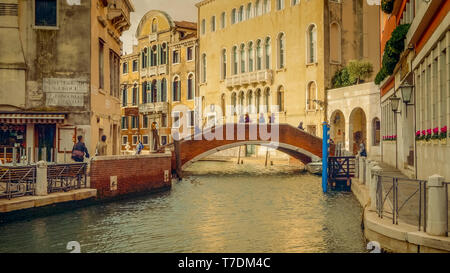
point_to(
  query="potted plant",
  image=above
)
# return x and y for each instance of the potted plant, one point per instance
(418, 137)
(428, 136)
(443, 135)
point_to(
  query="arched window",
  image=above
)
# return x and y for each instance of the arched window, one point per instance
(258, 8)
(376, 131)
(335, 43)
(280, 99)
(134, 100)
(311, 96)
(259, 55)
(267, 100)
(223, 20)
(295, 2)
(154, 56)
(233, 17)
(163, 54)
(223, 104)
(249, 12)
(233, 103)
(281, 51)
(154, 25)
(145, 86)
(241, 102)
(213, 23)
(235, 61)
(224, 64)
(190, 85)
(204, 67)
(266, 6)
(242, 57)
(312, 44)
(176, 89)
(144, 57)
(154, 92)
(280, 4)
(267, 53)
(258, 100)
(250, 57)
(164, 90)
(241, 14)
(203, 27)
(250, 102)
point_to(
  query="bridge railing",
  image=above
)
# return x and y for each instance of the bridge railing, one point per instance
(66, 177)
(341, 167)
(16, 181)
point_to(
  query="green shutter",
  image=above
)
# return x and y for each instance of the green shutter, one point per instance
(158, 86)
(158, 52)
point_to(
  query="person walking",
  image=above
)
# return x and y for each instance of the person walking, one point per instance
(139, 148)
(300, 126)
(79, 150)
(241, 119)
(362, 150)
(101, 149)
(262, 120)
(247, 118)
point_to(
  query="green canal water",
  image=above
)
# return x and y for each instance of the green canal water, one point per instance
(219, 207)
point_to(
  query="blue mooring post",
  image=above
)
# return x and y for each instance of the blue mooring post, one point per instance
(326, 136)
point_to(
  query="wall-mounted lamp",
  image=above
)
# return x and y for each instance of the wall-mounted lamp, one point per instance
(395, 102)
(407, 91)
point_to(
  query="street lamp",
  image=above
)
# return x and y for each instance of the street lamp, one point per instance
(407, 90)
(395, 101)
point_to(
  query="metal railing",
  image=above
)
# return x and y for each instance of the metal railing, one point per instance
(399, 197)
(66, 177)
(17, 181)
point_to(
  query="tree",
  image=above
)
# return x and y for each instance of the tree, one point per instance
(359, 70)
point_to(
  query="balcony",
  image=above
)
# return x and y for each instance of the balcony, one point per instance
(118, 13)
(152, 71)
(163, 69)
(263, 76)
(155, 107)
(143, 72)
(153, 37)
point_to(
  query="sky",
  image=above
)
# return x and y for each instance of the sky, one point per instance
(179, 10)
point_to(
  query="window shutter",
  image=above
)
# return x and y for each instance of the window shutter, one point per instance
(158, 52)
(158, 86)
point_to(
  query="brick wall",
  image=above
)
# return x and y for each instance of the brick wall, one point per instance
(114, 176)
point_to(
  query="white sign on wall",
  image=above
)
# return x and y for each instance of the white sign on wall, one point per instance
(65, 91)
(61, 99)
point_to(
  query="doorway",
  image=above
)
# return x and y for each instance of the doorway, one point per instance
(45, 141)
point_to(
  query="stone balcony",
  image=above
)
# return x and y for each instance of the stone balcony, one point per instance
(154, 107)
(163, 69)
(263, 76)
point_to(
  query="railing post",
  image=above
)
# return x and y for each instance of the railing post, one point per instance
(357, 166)
(361, 168)
(367, 171)
(436, 222)
(376, 172)
(41, 179)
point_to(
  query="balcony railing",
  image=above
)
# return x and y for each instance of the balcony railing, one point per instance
(264, 76)
(154, 107)
(163, 69)
(152, 71)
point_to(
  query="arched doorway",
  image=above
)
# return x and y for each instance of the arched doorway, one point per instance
(337, 130)
(358, 130)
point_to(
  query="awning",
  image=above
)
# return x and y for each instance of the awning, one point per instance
(38, 118)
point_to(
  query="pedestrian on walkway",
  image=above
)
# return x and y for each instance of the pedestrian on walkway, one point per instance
(79, 150)
(247, 118)
(262, 120)
(300, 126)
(101, 149)
(139, 148)
(362, 150)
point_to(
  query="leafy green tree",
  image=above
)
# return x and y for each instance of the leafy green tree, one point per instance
(359, 70)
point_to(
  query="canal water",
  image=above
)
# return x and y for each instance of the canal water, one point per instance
(219, 207)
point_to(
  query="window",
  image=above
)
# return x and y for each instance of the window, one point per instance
(335, 43)
(135, 140)
(204, 68)
(280, 4)
(164, 90)
(311, 93)
(233, 16)
(258, 8)
(124, 123)
(163, 54)
(203, 27)
(154, 92)
(101, 63)
(311, 46)
(266, 6)
(190, 92)
(259, 55)
(258, 100)
(154, 56)
(176, 89)
(223, 104)
(242, 57)
(114, 73)
(190, 53)
(223, 20)
(154, 25)
(125, 68)
(267, 100)
(144, 57)
(134, 122)
(233, 102)
(249, 11)
(175, 57)
(145, 122)
(295, 2)
(250, 57)
(376, 126)
(250, 105)
(163, 140)
(268, 53)
(224, 64)
(191, 117)
(124, 97)
(280, 99)
(45, 13)
(241, 14)
(213, 23)
(145, 140)
(163, 120)
(281, 51)
(124, 140)
(241, 103)
(235, 61)
(135, 94)
(135, 65)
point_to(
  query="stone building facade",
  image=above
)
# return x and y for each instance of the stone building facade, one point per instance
(59, 69)
(162, 89)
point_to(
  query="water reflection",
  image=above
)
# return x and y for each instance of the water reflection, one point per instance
(219, 207)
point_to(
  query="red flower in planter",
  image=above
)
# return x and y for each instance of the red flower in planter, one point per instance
(443, 132)
(418, 134)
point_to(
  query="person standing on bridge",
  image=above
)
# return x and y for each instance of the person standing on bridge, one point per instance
(101, 147)
(79, 150)
(300, 126)
(247, 118)
(262, 120)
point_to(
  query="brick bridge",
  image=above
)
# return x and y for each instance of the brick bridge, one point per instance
(283, 137)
